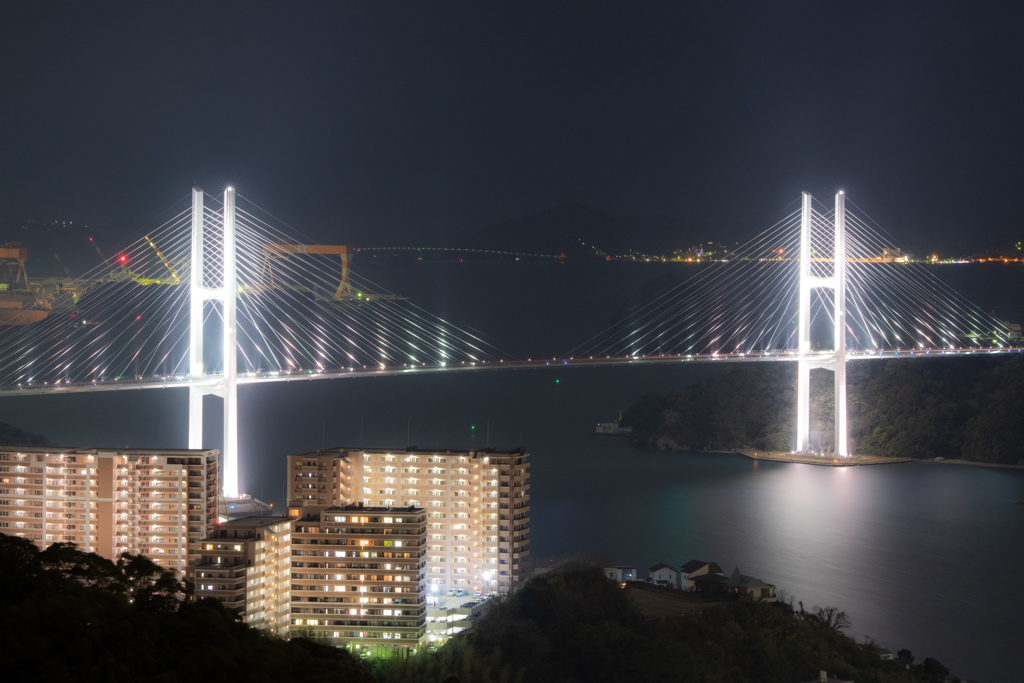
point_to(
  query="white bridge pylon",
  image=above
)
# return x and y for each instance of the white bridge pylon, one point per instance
(837, 364)
(199, 293)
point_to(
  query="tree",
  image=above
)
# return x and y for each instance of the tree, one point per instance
(833, 617)
(148, 585)
(934, 669)
(124, 621)
(9, 434)
(784, 597)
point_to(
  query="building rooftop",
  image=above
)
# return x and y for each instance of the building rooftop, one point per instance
(425, 450)
(252, 521)
(692, 565)
(315, 513)
(91, 451)
(738, 579)
(359, 507)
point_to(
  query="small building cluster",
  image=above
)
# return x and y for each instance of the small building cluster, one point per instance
(698, 576)
(371, 536)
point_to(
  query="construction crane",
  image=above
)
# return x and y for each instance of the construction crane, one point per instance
(119, 271)
(164, 260)
(275, 251)
(100, 253)
(13, 257)
(63, 265)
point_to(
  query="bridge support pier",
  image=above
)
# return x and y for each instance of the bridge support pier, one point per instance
(199, 293)
(803, 381)
(197, 297)
(837, 364)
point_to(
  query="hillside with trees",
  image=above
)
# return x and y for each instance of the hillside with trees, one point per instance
(574, 625)
(74, 616)
(958, 407)
(13, 436)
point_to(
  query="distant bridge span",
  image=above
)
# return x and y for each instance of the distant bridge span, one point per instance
(455, 251)
(805, 267)
(214, 381)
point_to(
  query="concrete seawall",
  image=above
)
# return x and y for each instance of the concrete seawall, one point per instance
(824, 461)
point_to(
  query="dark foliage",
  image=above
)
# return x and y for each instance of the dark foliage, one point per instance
(9, 434)
(953, 408)
(832, 617)
(575, 625)
(75, 616)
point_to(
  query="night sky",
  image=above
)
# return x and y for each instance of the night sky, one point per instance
(421, 123)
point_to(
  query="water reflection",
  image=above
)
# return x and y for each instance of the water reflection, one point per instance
(913, 553)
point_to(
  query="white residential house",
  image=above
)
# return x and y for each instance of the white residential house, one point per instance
(620, 573)
(758, 590)
(664, 575)
(695, 568)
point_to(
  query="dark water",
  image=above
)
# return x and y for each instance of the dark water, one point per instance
(920, 556)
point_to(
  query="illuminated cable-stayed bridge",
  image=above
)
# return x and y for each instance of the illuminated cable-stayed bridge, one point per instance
(223, 294)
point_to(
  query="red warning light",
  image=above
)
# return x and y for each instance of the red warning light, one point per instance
(138, 317)
(123, 258)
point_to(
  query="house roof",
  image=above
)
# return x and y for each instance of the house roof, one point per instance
(736, 578)
(693, 565)
(713, 568)
(661, 565)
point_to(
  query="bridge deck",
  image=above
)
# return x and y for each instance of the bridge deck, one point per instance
(212, 381)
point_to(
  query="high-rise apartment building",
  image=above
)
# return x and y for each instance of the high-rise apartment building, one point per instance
(358, 575)
(477, 504)
(246, 564)
(157, 503)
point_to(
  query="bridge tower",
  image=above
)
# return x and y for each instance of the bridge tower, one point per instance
(837, 364)
(199, 294)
